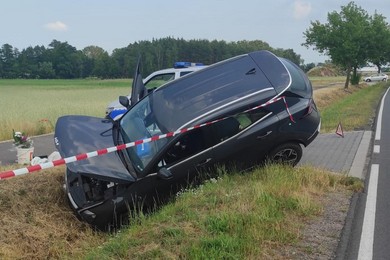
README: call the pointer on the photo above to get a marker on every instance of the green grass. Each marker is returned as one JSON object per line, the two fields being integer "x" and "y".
{"x": 33, "y": 106}
{"x": 238, "y": 216}
{"x": 355, "y": 111}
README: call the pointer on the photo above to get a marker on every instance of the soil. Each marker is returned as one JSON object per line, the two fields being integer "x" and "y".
{"x": 321, "y": 236}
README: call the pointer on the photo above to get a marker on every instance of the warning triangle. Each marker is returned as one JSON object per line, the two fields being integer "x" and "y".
{"x": 339, "y": 130}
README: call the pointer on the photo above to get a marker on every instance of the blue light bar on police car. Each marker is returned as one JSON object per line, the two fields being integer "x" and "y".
{"x": 186, "y": 64}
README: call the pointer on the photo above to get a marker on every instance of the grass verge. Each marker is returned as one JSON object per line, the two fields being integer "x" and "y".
{"x": 355, "y": 108}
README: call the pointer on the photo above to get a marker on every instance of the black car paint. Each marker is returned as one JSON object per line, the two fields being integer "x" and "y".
{"x": 102, "y": 188}
{"x": 92, "y": 134}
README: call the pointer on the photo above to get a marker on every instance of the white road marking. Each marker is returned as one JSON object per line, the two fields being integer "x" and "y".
{"x": 377, "y": 148}
{"x": 379, "y": 122}
{"x": 366, "y": 246}
{"x": 367, "y": 237}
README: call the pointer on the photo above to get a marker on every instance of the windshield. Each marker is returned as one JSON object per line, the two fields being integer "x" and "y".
{"x": 137, "y": 124}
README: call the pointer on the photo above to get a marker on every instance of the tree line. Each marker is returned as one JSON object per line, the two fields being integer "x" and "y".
{"x": 60, "y": 60}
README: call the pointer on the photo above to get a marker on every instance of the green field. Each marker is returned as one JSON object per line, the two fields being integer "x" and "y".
{"x": 33, "y": 106}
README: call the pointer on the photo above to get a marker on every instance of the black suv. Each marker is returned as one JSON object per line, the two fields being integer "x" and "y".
{"x": 239, "y": 111}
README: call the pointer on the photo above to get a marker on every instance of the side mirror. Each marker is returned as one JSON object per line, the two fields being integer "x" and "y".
{"x": 164, "y": 174}
{"x": 124, "y": 101}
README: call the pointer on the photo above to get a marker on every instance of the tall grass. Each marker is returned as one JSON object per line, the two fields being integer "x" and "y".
{"x": 33, "y": 106}
{"x": 354, "y": 108}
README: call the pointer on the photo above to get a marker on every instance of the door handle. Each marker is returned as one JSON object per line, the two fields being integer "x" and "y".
{"x": 204, "y": 162}
{"x": 263, "y": 136}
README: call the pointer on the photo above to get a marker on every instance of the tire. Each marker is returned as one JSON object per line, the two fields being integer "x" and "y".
{"x": 287, "y": 153}
{"x": 368, "y": 80}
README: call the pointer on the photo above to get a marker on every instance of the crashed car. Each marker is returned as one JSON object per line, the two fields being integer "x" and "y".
{"x": 242, "y": 111}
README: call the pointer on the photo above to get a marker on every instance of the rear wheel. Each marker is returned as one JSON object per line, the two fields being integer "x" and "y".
{"x": 288, "y": 153}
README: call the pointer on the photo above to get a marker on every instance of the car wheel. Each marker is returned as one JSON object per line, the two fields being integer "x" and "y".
{"x": 288, "y": 153}
{"x": 383, "y": 79}
{"x": 368, "y": 80}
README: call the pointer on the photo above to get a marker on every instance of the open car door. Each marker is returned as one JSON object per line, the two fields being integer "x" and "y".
{"x": 138, "y": 90}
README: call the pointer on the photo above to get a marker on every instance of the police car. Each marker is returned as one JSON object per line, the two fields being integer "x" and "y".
{"x": 158, "y": 78}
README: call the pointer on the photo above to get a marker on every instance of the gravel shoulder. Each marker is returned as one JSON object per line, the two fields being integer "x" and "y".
{"x": 321, "y": 236}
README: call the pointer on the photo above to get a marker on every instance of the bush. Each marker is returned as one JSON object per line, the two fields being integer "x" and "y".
{"x": 355, "y": 78}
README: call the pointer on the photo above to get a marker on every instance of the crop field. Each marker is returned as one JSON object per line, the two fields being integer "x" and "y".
{"x": 33, "y": 106}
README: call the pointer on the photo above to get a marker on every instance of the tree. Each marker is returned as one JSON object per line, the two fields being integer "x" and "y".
{"x": 45, "y": 70}
{"x": 379, "y": 36}
{"x": 66, "y": 60}
{"x": 307, "y": 67}
{"x": 343, "y": 38}
{"x": 96, "y": 62}
{"x": 8, "y": 63}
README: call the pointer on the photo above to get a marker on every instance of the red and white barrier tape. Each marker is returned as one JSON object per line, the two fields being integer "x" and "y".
{"x": 79, "y": 157}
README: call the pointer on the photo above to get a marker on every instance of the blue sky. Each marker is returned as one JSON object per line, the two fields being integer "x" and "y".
{"x": 116, "y": 23}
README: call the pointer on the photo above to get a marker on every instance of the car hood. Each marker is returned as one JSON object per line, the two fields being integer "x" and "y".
{"x": 82, "y": 134}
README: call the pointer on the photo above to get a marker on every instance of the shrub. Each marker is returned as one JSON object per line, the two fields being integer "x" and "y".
{"x": 355, "y": 78}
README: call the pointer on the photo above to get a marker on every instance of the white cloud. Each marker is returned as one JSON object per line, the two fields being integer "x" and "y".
{"x": 301, "y": 9}
{"x": 56, "y": 26}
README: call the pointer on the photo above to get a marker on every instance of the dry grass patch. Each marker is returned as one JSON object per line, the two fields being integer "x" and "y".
{"x": 36, "y": 220}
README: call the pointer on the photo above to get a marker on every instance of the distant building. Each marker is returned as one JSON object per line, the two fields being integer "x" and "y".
{"x": 368, "y": 69}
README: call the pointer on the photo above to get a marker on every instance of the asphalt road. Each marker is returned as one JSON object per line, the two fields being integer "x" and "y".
{"x": 43, "y": 146}
{"x": 371, "y": 226}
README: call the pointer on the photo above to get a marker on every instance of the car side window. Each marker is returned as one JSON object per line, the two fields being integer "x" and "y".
{"x": 188, "y": 145}
{"x": 248, "y": 118}
{"x": 182, "y": 73}
{"x": 232, "y": 125}
{"x": 159, "y": 80}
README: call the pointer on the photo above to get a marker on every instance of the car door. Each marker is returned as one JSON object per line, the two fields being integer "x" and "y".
{"x": 190, "y": 156}
{"x": 256, "y": 134}
{"x": 187, "y": 158}
{"x": 138, "y": 90}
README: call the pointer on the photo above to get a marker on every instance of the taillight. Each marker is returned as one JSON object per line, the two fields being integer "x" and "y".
{"x": 309, "y": 108}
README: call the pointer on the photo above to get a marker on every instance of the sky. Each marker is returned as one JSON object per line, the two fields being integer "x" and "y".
{"x": 117, "y": 23}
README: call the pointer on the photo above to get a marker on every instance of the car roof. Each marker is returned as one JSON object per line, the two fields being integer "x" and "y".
{"x": 258, "y": 74}
{"x": 173, "y": 70}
